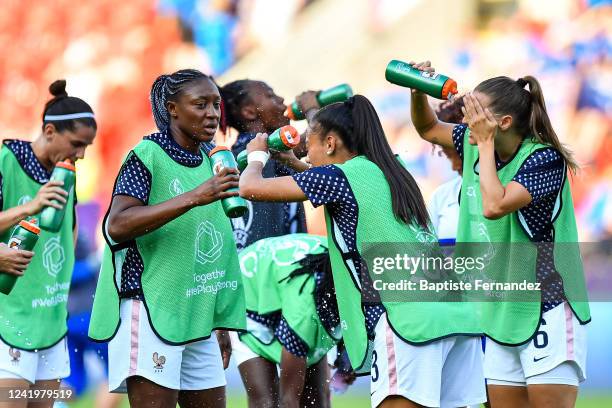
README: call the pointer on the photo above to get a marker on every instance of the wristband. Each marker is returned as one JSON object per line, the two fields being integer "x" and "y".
{"x": 258, "y": 155}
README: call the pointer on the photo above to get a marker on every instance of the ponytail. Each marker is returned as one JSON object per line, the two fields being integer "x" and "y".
{"x": 358, "y": 125}
{"x": 540, "y": 125}
{"x": 527, "y": 108}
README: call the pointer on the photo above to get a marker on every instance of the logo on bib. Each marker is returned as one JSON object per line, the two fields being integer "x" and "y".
{"x": 285, "y": 253}
{"x": 53, "y": 256}
{"x": 15, "y": 355}
{"x": 209, "y": 243}
{"x": 176, "y": 187}
{"x": 24, "y": 200}
{"x": 242, "y": 225}
{"x": 159, "y": 362}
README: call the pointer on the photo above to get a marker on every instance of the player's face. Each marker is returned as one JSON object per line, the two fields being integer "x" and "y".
{"x": 317, "y": 146}
{"x": 270, "y": 106}
{"x": 69, "y": 144}
{"x": 197, "y": 110}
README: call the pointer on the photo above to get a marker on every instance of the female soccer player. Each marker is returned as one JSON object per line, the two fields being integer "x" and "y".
{"x": 292, "y": 321}
{"x": 170, "y": 275}
{"x": 413, "y": 350}
{"x": 515, "y": 190}
{"x": 33, "y": 350}
{"x": 252, "y": 107}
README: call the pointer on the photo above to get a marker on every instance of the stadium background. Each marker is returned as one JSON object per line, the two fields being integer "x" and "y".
{"x": 110, "y": 51}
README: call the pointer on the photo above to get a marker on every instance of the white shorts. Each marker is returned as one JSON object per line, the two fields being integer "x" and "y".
{"x": 49, "y": 364}
{"x": 240, "y": 351}
{"x": 137, "y": 351}
{"x": 559, "y": 339}
{"x": 444, "y": 373}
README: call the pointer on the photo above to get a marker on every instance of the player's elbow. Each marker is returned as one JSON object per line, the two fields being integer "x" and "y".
{"x": 248, "y": 192}
{"x": 492, "y": 212}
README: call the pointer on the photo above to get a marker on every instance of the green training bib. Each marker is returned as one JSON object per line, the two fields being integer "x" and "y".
{"x": 266, "y": 268}
{"x": 515, "y": 322}
{"x": 191, "y": 282}
{"x": 33, "y": 316}
{"x": 416, "y": 322}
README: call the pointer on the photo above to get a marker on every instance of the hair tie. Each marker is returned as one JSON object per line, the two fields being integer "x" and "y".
{"x": 521, "y": 82}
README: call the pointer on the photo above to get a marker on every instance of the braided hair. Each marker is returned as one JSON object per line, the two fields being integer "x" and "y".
{"x": 62, "y": 104}
{"x": 168, "y": 88}
{"x": 235, "y": 95}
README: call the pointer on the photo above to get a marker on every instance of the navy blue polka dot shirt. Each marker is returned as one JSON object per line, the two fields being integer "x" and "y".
{"x": 134, "y": 180}
{"x": 542, "y": 174}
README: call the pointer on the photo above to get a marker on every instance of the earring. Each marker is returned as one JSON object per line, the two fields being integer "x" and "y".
{"x": 329, "y": 153}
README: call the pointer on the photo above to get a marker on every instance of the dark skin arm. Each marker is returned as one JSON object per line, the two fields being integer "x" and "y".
{"x": 130, "y": 218}
{"x": 292, "y": 378}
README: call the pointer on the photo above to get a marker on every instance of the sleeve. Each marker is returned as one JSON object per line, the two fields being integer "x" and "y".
{"x": 458, "y": 138}
{"x": 542, "y": 173}
{"x": 134, "y": 179}
{"x": 287, "y": 337}
{"x": 1, "y": 198}
{"x": 323, "y": 185}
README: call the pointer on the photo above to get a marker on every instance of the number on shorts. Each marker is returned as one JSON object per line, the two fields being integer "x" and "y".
{"x": 374, "y": 366}
{"x": 541, "y": 334}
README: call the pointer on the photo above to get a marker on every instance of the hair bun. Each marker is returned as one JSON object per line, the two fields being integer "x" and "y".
{"x": 58, "y": 88}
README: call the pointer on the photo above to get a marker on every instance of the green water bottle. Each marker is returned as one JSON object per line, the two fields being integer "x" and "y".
{"x": 51, "y": 218}
{"x": 24, "y": 237}
{"x": 437, "y": 85}
{"x": 282, "y": 139}
{"x": 221, "y": 157}
{"x": 338, "y": 93}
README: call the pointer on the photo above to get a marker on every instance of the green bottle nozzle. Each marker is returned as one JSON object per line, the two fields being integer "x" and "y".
{"x": 432, "y": 83}
{"x": 338, "y": 93}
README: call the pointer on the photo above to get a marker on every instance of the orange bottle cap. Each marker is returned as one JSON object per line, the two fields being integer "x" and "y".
{"x": 289, "y": 113}
{"x": 66, "y": 164}
{"x": 449, "y": 88}
{"x": 290, "y": 136}
{"x": 30, "y": 226}
{"x": 217, "y": 149}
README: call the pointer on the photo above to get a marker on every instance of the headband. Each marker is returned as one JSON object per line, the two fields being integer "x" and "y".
{"x": 69, "y": 116}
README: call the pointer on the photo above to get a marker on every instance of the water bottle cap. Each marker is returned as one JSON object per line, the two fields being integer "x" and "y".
{"x": 30, "y": 226}
{"x": 290, "y": 113}
{"x": 290, "y": 136}
{"x": 217, "y": 149}
{"x": 449, "y": 88}
{"x": 66, "y": 164}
